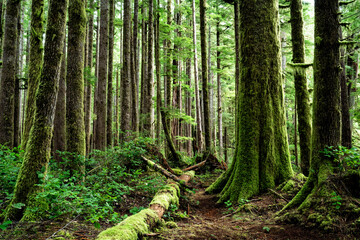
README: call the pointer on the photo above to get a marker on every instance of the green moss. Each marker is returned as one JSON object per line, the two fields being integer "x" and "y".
{"x": 178, "y": 171}
{"x": 171, "y": 224}
{"x": 288, "y": 186}
{"x": 132, "y": 228}
{"x": 166, "y": 196}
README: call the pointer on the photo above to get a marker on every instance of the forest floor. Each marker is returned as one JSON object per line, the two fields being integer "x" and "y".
{"x": 199, "y": 217}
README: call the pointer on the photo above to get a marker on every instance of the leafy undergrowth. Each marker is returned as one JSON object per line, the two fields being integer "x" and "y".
{"x": 117, "y": 184}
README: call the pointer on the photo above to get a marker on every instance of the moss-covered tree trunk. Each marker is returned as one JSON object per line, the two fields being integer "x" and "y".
{"x": 109, "y": 116}
{"x": 326, "y": 112}
{"x": 75, "y": 125}
{"x": 7, "y": 87}
{"x": 125, "y": 124}
{"x": 35, "y": 64}
{"x": 100, "y": 129}
{"x": 158, "y": 73}
{"x": 261, "y": 157}
{"x": 37, "y": 152}
{"x": 204, "y": 75}
{"x": 301, "y": 89}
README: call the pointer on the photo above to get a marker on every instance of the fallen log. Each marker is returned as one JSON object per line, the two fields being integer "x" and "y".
{"x": 198, "y": 165}
{"x": 140, "y": 224}
{"x": 163, "y": 171}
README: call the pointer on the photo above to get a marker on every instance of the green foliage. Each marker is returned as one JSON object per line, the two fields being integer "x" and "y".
{"x": 5, "y": 224}
{"x": 10, "y": 163}
{"x": 344, "y": 158}
{"x": 336, "y": 200}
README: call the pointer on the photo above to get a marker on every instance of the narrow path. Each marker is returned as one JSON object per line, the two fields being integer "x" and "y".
{"x": 206, "y": 221}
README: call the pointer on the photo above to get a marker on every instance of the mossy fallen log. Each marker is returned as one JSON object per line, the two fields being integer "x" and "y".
{"x": 139, "y": 224}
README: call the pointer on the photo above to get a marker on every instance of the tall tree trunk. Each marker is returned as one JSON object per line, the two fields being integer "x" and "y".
{"x": 37, "y": 152}
{"x": 117, "y": 112}
{"x": 87, "y": 81}
{"x": 237, "y": 63}
{"x": 8, "y": 72}
{"x": 100, "y": 130}
{"x": 301, "y": 89}
{"x": 158, "y": 72}
{"x": 147, "y": 105}
{"x": 211, "y": 93}
{"x": 326, "y": 115}
{"x": 346, "y": 137}
{"x": 219, "y": 104}
{"x": 262, "y": 157}
{"x": 1, "y": 24}
{"x": 126, "y": 80}
{"x": 59, "y": 138}
{"x": 75, "y": 125}
{"x": 18, "y": 70}
{"x": 176, "y": 97}
{"x": 204, "y": 75}
{"x": 35, "y": 63}
{"x": 134, "y": 72}
{"x": 199, "y": 132}
{"x": 144, "y": 66}
{"x": 109, "y": 120}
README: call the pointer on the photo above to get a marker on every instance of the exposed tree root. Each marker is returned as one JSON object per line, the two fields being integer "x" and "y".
{"x": 140, "y": 224}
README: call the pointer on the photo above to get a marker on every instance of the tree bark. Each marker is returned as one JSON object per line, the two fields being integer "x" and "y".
{"x": 8, "y": 72}
{"x": 101, "y": 113}
{"x": 134, "y": 72}
{"x": 37, "y": 152}
{"x": 199, "y": 132}
{"x": 125, "y": 124}
{"x": 158, "y": 73}
{"x": 204, "y": 75}
{"x": 109, "y": 107}
{"x": 75, "y": 125}
{"x": 301, "y": 89}
{"x": 35, "y": 63}
{"x": 237, "y": 63}
{"x": 88, "y": 82}
{"x": 218, "y": 66}
{"x": 262, "y": 157}
{"x": 59, "y": 138}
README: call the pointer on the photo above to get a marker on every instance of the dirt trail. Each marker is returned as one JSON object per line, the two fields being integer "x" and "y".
{"x": 206, "y": 221}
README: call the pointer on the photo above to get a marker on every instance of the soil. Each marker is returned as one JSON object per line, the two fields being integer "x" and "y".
{"x": 199, "y": 217}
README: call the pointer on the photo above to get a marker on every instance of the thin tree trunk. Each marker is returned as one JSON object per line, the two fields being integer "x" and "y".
{"x": 88, "y": 83}
{"x": 199, "y": 133}
{"x": 218, "y": 66}
{"x": 134, "y": 72}
{"x": 35, "y": 63}
{"x": 126, "y": 80}
{"x": 188, "y": 102}
{"x": 301, "y": 90}
{"x": 147, "y": 116}
{"x": 117, "y": 113}
{"x": 59, "y": 138}
{"x": 109, "y": 120}
{"x": 204, "y": 73}
{"x": 237, "y": 62}
{"x": 158, "y": 79}
{"x": 101, "y": 113}
{"x": 296, "y": 135}
{"x": 8, "y": 72}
